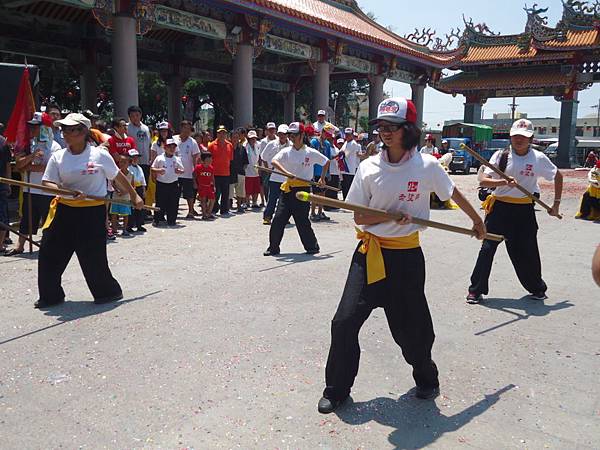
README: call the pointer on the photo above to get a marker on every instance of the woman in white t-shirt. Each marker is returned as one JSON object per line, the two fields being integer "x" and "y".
{"x": 510, "y": 213}
{"x": 77, "y": 225}
{"x": 388, "y": 267}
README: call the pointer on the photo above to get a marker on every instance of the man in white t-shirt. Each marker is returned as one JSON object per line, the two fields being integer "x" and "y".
{"x": 262, "y": 144}
{"x": 275, "y": 180}
{"x": 322, "y": 123}
{"x": 141, "y": 133}
{"x": 35, "y": 202}
{"x": 189, "y": 153}
{"x": 298, "y": 160}
{"x": 510, "y": 213}
{"x": 352, "y": 151}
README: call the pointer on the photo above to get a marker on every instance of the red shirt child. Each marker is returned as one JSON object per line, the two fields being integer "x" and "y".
{"x": 120, "y": 146}
{"x": 205, "y": 179}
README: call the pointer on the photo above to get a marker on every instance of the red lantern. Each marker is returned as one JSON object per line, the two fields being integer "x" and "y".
{"x": 184, "y": 99}
{"x": 70, "y": 94}
{"x": 102, "y": 96}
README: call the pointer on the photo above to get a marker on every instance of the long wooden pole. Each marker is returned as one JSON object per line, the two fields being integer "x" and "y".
{"x": 60, "y": 191}
{"x": 487, "y": 164}
{"x": 326, "y": 201}
{"x": 24, "y": 236}
{"x": 312, "y": 183}
{"x": 29, "y": 216}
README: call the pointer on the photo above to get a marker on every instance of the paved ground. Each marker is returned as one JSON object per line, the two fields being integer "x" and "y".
{"x": 217, "y": 346}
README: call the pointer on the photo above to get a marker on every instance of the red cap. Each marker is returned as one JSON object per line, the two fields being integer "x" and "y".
{"x": 598, "y": 164}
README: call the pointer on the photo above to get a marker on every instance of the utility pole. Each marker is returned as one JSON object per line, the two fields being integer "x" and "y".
{"x": 598, "y": 120}
{"x": 513, "y": 108}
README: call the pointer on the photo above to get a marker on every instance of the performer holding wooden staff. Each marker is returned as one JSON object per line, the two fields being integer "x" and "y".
{"x": 78, "y": 225}
{"x": 297, "y": 160}
{"x": 510, "y": 212}
{"x": 388, "y": 266}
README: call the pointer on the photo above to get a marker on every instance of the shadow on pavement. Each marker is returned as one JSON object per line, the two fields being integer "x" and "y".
{"x": 73, "y": 310}
{"x": 530, "y": 308}
{"x": 296, "y": 258}
{"x": 417, "y": 423}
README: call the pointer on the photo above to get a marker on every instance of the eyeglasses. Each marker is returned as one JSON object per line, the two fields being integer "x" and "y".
{"x": 71, "y": 129}
{"x": 388, "y": 128}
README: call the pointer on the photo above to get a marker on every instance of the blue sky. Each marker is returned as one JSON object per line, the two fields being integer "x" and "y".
{"x": 505, "y": 16}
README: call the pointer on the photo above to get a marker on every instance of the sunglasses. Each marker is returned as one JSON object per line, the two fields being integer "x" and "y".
{"x": 71, "y": 129}
{"x": 388, "y": 128}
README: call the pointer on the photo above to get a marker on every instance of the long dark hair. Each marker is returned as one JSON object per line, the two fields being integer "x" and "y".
{"x": 160, "y": 141}
{"x": 410, "y": 137}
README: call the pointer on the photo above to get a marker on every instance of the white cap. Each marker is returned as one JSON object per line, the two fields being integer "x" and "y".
{"x": 444, "y": 141}
{"x": 252, "y": 134}
{"x": 522, "y": 127}
{"x": 283, "y": 128}
{"x": 349, "y": 130}
{"x": 321, "y": 112}
{"x": 133, "y": 152}
{"x": 171, "y": 141}
{"x": 396, "y": 110}
{"x": 271, "y": 125}
{"x": 74, "y": 119}
{"x": 375, "y": 132}
{"x": 295, "y": 128}
{"x": 340, "y": 141}
{"x": 163, "y": 126}
{"x": 36, "y": 119}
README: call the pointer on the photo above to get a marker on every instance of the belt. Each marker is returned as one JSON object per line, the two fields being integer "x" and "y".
{"x": 293, "y": 183}
{"x": 488, "y": 204}
{"x": 372, "y": 245}
{"x": 67, "y": 202}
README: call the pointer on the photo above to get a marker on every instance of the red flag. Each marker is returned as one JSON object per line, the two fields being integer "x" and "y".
{"x": 16, "y": 129}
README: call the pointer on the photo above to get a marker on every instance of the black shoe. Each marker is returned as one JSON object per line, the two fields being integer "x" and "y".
{"x": 427, "y": 393}
{"x": 324, "y": 217}
{"x": 141, "y": 229}
{"x": 270, "y": 252}
{"x": 328, "y": 405}
{"x": 130, "y": 230}
{"x": 474, "y": 298}
{"x": 538, "y": 296}
{"x": 41, "y": 305}
{"x": 313, "y": 251}
{"x": 113, "y": 298}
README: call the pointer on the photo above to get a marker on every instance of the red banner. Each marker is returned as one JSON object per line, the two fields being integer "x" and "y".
{"x": 16, "y": 129}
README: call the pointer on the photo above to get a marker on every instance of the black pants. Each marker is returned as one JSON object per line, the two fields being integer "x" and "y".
{"x": 346, "y": 183}
{"x": 402, "y": 296}
{"x": 587, "y": 203}
{"x": 167, "y": 199}
{"x": 82, "y": 231}
{"x": 274, "y": 194}
{"x": 40, "y": 204}
{"x": 287, "y": 207}
{"x": 221, "y": 194}
{"x": 518, "y": 224}
{"x": 333, "y": 181}
{"x": 137, "y": 215}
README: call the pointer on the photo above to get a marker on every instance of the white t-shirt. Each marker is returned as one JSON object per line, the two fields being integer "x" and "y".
{"x": 318, "y": 126}
{"x": 36, "y": 177}
{"x": 334, "y": 169}
{"x": 429, "y": 150}
{"x": 399, "y": 188}
{"x": 253, "y": 154}
{"x": 264, "y": 142}
{"x": 138, "y": 175}
{"x": 352, "y": 149}
{"x": 169, "y": 164}
{"x": 157, "y": 148}
{"x": 524, "y": 169}
{"x": 187, "y": 151}
{"x": 300, "y": 162}
{"x": 86, "y": 172}
{"x": 142, "y": 138}
{"x": 267, "y": 155}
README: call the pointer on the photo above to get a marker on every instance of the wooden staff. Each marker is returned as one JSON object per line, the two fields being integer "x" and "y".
{"x": 60, "y": 191}
{"x": 326, "y": 201}
{"x": 29, "y": 217}
{"x": 312, "y": 183}
{"x": 486, "y": 163}
{"x": 24, "y": 236}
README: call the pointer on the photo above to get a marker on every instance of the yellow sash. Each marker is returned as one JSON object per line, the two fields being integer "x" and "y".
{"x": 594, "y": 191}
{"x": 293, "y": 183}
{"x": 488, "y": 204}
{"x": 372, "y": 245}
{"x": 68, "y": 202}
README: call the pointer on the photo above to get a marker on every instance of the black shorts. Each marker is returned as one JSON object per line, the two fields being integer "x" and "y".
{"x": 317, "y": 190}
{"x": 186, "y": 187}
{"x": 40, "y": 204}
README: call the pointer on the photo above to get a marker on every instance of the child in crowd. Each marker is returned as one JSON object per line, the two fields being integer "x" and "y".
{"x": 590, "y": 202}
{"x": 166, "y": 168}
{"x": 205, "y": 180}
{"x": 123, "y": 211}
{"x": 139, "y": 182}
